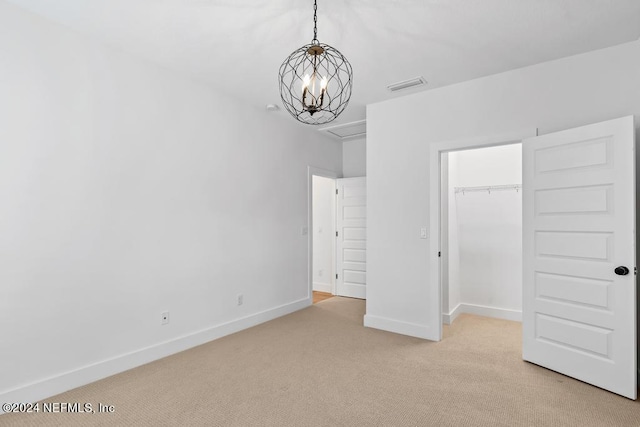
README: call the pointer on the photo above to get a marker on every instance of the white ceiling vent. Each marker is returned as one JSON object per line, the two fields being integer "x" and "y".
{"x": 347, "y": 131}
{"x": 406, "y": 84}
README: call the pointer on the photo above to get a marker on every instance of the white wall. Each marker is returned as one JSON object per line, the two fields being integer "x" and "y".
{"x": 324, "y": 239}
{"x": 556, "y": 95}
{"x": 485, "y": 251}
{"x": 488, "y": 166}
{"x": 127, "y": 191}
{"x": 354, "y": 158}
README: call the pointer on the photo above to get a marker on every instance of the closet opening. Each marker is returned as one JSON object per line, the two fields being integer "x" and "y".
{"x": 481, "y": 232}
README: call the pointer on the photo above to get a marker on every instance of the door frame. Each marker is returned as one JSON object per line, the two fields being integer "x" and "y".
{"x": 325, "y": 173}
{"x": 435, "y": 200}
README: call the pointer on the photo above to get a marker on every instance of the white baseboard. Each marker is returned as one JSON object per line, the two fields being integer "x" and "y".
{"x": 323, "y": 287}
{"x": 399, "y": 327}
{"x": 448, "y": 319}
{"x": 87, "y": 374}
{"x": 482, "y": 310}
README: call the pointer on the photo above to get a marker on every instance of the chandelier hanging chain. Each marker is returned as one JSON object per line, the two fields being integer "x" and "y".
{"x": 315, "y": 22}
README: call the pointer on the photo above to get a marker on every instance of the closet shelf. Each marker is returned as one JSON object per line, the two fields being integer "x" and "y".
{"x": 489, "y": 189}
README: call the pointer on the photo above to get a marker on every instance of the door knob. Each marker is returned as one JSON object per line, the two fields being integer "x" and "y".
{"x": 621, "y": 271}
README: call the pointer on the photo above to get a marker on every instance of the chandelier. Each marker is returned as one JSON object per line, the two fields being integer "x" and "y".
{"x": 315, "y": 81}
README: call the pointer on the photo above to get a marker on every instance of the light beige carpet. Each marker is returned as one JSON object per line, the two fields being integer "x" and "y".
{"x": 321, "y": 367}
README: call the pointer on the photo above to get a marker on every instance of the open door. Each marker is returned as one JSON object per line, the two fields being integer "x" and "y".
{"x": 351, "y": 237}
{"x": 579, "y": 295}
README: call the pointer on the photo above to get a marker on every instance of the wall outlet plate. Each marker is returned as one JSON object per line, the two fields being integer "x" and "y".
{"x": 165, "y": 318}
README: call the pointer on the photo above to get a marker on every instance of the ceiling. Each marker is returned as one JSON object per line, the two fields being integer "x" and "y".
{"x": 238, "y": 45}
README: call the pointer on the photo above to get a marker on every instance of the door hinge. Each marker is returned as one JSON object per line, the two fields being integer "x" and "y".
{"x": 635, "y": 270}
{"x": 336, "y": 234}
{"x": 336, "y": 191}
{"x": 439, "y": 254}
{"x": 336, "y": 275}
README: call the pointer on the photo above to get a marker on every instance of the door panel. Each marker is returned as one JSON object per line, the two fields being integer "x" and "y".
{"x": 579, "y": 317}
{"x": 351, "y": 241}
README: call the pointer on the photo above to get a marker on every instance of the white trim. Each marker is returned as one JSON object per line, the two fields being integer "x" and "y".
{"x": 482, "y": 310}
{"x": 507, "y": 138}
{"x": 323, "y": 287}
{"x": 450, "y": 317}
{"x": 311, "y": 171}
{"x": 398, "y": 327}
{"x": 495, "y": 312}
{"x": 435, "y": 149}
{"x": 87, "y": 374}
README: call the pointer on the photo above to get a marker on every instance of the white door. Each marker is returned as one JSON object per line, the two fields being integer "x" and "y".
{"x": 351, "y": 237}
{"x": 579, "y": 308}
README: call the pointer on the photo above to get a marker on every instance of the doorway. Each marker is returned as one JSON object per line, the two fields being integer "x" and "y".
{"x": 441, "y": 302}
{"x": 322, "y": 230}
{"x": 481, "y": 223}
{"x": 336, "y": 233}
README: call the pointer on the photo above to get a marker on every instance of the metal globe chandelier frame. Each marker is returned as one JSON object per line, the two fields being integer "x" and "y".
{"x": 315, "y": 81}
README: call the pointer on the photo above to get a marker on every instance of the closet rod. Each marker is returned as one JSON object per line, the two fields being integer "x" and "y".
{"x": 489, "y": 188}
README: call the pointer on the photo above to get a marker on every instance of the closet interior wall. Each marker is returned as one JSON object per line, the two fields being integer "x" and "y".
{"x": 482, "y": 232}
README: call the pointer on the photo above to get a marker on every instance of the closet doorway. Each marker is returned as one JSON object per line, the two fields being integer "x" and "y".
{"x": 578, "y": 250}
{"x": 481, "y": 232}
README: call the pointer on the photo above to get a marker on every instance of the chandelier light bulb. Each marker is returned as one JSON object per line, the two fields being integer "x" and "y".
{"x": 305, "y": 81}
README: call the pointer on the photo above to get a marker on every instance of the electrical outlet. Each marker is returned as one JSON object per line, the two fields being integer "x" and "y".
{"x": 165, "y": 318}
{"x": 240, "y": 299}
